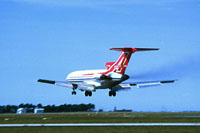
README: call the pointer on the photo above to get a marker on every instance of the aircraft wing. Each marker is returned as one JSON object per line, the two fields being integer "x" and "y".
{"x": 58, "y": 83}
{"x": 82, "y": 85}
{"x": 123, "y": 86}
{"x": 149, "y": 83}
{"x": 127, "y": 86}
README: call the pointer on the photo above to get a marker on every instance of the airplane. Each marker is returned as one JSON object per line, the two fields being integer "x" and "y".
{"x": 111, "y": 78}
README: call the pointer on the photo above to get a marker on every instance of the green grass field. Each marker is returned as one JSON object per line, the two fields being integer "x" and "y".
{"x": 103, "y": 117}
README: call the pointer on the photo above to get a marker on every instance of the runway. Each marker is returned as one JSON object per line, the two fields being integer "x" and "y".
{"x": 98, "y": 124}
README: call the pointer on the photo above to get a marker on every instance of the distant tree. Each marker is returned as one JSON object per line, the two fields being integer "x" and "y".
{"x": 48, "y": 108}
{"x": 39, "y": 105}
{"x": 21, "y": 105}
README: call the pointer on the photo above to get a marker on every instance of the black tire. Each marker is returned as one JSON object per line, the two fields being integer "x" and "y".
{"x": 114, "y": 93}
{"x": 86, "y": 93}
{"x": 90, "y": 93}
{"x": 73, "y": 93}
{"x": 110, "y": 93}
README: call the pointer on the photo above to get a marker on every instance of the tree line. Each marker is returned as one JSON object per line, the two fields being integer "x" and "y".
{"x": 48, "y": 108}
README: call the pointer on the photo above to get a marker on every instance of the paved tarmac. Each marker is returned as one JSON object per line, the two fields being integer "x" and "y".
{"x": 98, "y": 124}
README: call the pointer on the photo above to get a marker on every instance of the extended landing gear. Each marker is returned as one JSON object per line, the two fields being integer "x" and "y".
{"x": 88, "y": 93}
{"x": 112, "y": 93}
{"x": 73, "y": 92}
{"x": 74, "y": 88}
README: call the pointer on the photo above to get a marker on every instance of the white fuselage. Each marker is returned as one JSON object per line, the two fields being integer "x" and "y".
{"x": 90, "y": 79}
{"x": 84, "y": 75}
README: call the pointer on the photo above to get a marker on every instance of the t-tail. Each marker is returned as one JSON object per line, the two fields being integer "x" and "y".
{"x": 122, "y": 62}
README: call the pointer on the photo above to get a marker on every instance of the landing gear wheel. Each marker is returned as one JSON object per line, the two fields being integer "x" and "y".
{"x": 88, "y": 93}
{"x": 73, "y": 92}
{"x": 112, "y": 93}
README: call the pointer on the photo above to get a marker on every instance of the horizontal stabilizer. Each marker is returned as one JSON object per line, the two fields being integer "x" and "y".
{"x": 129, "y": 49}
{"x": 146, "y": 49}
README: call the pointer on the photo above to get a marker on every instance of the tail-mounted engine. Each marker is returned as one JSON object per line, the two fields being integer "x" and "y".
{"x": 104, "y": 77}
{"x": 124, "y": 77}
{"x": 112, "y": 76}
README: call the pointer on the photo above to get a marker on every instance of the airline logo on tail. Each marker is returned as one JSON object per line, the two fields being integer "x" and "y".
{"x": 122, "y": 62}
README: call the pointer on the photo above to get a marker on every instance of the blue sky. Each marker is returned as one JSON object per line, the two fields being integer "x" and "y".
{"x": 49, "y": 39}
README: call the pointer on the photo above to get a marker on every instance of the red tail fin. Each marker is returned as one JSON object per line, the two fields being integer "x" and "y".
{"x": 122, "y": 62}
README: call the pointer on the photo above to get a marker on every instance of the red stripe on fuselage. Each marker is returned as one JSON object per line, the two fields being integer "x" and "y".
{"x": 89, "y": 74}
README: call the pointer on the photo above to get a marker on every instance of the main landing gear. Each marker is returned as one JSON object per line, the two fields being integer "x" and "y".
{"x": 73, "y": 92}
{"x": 75, "y": 86}
{"x": 112, "y": 93}
{"x": 88, "y": 93}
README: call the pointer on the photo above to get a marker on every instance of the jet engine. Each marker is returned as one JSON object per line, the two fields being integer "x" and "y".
{"x": 102, "y": 77}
